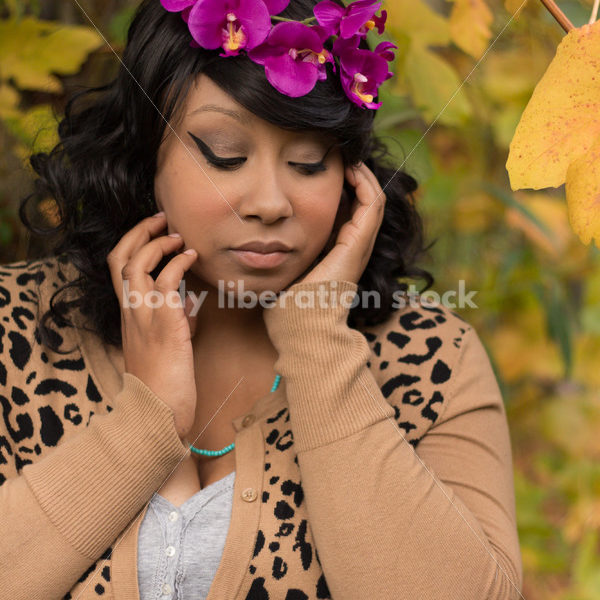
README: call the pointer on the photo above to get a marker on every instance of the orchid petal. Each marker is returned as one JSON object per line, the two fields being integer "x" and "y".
{"x": 208, "y": 19}
{"x": 321, "y": 31}
{"x": 185, "y": 14}
{"x": 384, "y": 49}
{"x": 276, "y": 6}
{"x": 255, "y": 17}
{"x": 357, "y": 17}
{"x": 343, "y": 45}
{"x": 380, "y": 22}
{"x": 260, "y": 53}
{"x": 329, "y": 15}
{"x": 291, "y": 77}
{"x": 176, "y": 5}
{"x": 293, "y": 34}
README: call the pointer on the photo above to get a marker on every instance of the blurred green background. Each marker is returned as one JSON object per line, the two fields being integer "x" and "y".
{"x": 464, "y": 72}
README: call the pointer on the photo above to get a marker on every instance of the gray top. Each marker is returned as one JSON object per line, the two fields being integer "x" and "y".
{"x": 180, "y": 548}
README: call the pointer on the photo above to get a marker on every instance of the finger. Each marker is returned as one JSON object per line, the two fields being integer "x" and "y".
{"x": 134, "y": 239}
{"x": 377, "y": 189}
{"x": 363, "y": 190}
{"x": 169, "y": 280}
{"x": 171, "y": 275}
{"x": 367, "y": 216}
{"x": 146, "y": 259}
{"x": 351, "y": 175}
{"x": 192, "y": 320}
{"x": 380, "y": 200}
{"x": 378, "y": 197}
{"x": 363, "y": 185}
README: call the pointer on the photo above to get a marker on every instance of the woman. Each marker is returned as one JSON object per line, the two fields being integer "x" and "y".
{"x": 142, "y": 454}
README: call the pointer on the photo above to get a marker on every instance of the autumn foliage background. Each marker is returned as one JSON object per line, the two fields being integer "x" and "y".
{"x": 538, "y": 285}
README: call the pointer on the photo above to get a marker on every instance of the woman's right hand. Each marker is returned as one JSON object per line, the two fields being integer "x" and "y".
{"x": 157, "y": 346}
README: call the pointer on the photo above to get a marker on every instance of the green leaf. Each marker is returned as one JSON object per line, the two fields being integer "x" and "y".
{"x": 542, "y": 545}
{"x": 119, "y": 24}
{"x": 5, "y": 233}
{"x": 557, "y": 321}
{"x": 395, "y": 110}
{"x": 510, "y": 201}
{"x": 590, "y": 319}
{"x": 586, "y": 571}
{"x": 434, "y": 86}
{"x": 32, "y": 50}
{"x": 35, "y": 128}
{"x": 418, "y": 21}
{"x": 414, "y": 157}
{"x": 9, "y": 101}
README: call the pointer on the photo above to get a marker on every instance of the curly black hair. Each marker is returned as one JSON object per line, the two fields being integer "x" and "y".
{"x": 102, "y": 193}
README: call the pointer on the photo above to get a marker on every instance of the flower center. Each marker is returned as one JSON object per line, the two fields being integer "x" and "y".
{"x": 357, "y": 87}
{"x": 308, "y": 55}
{"x": 367, "y": 26}
{"x": 234, "y": 36}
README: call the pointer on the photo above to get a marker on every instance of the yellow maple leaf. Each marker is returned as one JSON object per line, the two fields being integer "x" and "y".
{"x": 432, "y": 82}
{"x": 557, "y": 139}
{"x": 33, "y": 51}
{"x": 583, "y": 194}
{"x": 514, "y": 7}
{"x": 470, "y": 22}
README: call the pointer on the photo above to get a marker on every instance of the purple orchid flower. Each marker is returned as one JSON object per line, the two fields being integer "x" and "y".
{"x": 362, "y": 71}
{"x": 294, "y": 57}
{"x": 384, "y": 49}
{"x": 176, "y": 5}
{"x": 356, "y": 19}
{"x": 185, "y": 6}
{"x": 233, "y": 25}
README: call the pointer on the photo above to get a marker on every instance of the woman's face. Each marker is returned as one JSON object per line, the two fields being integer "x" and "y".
{"x": 274, "y": 196}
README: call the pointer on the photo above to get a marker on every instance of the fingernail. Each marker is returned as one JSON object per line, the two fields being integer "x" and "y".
{"x": 189, "y": 251}
{"x": 159, "y": 214}
{"x": 174, "y": 235}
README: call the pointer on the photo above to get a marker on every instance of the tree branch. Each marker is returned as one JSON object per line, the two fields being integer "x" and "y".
{"x": 594, "y": 12}
{"x": 558, "y": 14}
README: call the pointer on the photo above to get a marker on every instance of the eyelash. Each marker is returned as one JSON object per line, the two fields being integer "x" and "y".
{"x": 231, "y": 164}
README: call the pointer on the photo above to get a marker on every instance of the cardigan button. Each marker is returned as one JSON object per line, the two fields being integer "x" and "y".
{"x": 249, "y": 494}
{"x": 248, "y": 420}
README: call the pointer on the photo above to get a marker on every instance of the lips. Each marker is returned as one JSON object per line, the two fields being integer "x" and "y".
{"x": 260, "y": 260}
{"x": 264, "y": 247}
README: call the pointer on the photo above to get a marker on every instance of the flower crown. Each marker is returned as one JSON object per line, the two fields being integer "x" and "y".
{"x": 293, "y": 52}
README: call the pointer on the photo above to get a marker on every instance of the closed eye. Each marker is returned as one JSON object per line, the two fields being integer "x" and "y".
{"x": 234, "y": 162}
{"x": 310, "y": 168}
{"x": 211, "y": 157}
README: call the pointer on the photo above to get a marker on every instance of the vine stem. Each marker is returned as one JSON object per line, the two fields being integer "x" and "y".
{"x": 305, "y": 21}
{"x": 559, "y": 15}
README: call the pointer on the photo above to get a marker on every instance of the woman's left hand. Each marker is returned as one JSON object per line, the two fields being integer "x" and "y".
{"x": 351, "y": 252}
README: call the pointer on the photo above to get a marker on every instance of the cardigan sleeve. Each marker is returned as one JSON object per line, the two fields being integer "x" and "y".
{"x": 61, "y": 513}
{"x": 390, "y": 521}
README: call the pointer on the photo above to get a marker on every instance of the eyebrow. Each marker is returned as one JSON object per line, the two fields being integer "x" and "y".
{"x": 215, "y": 108}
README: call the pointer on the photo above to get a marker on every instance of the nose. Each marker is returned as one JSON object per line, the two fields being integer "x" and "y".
{"x": 265, "y": 198}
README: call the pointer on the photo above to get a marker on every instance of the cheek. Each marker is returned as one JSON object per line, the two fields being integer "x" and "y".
{"x": 320, "y": 214}
{"x": 331, "y": 196}
{"x": 191, "y": 202}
